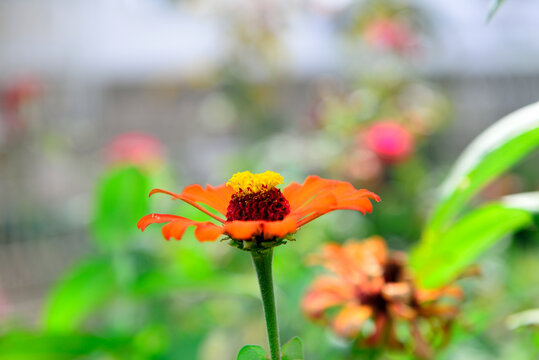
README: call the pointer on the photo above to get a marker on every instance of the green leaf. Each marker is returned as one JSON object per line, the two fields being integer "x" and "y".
{"x": 490, "y": 154}
{"x": 526, "y": 201}
{"x": 121, "y": 199}
{"x": 252, "y": 352}
{"x": 523, "y": 318}
{"x": 293, "y": 350}
{"x": 29, "y": 346}
{"x": 435, "y": 264}
{"x": 78, "y": 294}
{"x": 494, "y": 8}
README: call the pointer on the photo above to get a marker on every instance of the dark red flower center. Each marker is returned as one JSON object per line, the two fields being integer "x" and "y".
{"x": 269, "y": 205}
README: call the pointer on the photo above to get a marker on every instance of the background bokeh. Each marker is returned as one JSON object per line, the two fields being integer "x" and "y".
{"x": 102, "y": 100}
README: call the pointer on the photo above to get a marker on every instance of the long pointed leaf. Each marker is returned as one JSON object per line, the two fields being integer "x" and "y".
{"x": 435, "y": 264}
{"x": 493, "y": 152}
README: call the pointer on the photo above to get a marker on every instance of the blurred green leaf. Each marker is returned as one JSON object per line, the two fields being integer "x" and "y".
{"x": 494, "y": 8}
{"x": 28, "y": 346}
{"x": 526, "y": 201}
{"x": 490, "y": 154}
{"x": 163, "y": 281}
{"x": 436, "y": 263}
{"x": 78, "y": 294}
{"x": 293, "y": 350}
{"x": 121, "y": 199}
{"x": 252, "y": 352}
{"x": 523, "y": 318}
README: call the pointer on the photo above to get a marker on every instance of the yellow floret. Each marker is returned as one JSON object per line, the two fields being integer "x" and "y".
{"x": 252, "y": 183}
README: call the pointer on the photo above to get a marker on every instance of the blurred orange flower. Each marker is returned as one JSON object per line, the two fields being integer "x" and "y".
{"x": 371, "y": 285}
{"x": 255, "y": 209}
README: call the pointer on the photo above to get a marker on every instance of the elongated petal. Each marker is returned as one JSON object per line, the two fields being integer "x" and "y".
{"x": 243, "y": 230}
{"x": 335, "y": 259}
{"x": 324, "y": 293}
{"x": 208, "y": 232}
{"x": 215, "y": 197}
{"x": 205, "y": 231}
{"x": 176, "y": 228}
{"x": 297, "y": 195}
{"x": 280, "y": 228}
{"x": 192, "y": 200}
{"x": 317, "y": 196}
{"x": 349, "y": 321}
{"x": 155, "y": 218}
{"x": 354, "y": 261}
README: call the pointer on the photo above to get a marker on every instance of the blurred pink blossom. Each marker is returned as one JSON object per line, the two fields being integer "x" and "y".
{"x": 391, "y": 141}
{"x": 389, "y": 34}
{"x": 135, "y": 148}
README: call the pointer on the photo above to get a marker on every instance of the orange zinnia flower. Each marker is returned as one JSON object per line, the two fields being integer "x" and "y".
{"x": 370, "y": 285}
{"x": 251, "y": 207}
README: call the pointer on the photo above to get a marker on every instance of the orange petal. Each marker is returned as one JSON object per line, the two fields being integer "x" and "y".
{"x": 354, "y": 261}
{"x": 319, "y": 196}
{"x": 215, "y": 197}
{"x": 349, "y": 321}
{"x": 320, "y": 204}
{"x": 208, "y": 232}
{"x": 315, "y": 303}
{"x": 155, "y": 218}
{"x": 243, "y": 230}
{"x": 325, "y": 292}
{"x": 367, "y": 256}
{"x": 335, "y": 259}
{"x": 297, "y": 195}
{"x": 280, "y": 228}
{"x": 205, "y": 231}
{"x": 176, "y": 228}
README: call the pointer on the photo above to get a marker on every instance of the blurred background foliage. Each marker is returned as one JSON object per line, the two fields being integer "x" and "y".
{"x": 384, "y": 94}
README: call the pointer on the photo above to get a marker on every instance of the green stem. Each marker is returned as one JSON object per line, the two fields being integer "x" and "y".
{"x": 262, "y": 261}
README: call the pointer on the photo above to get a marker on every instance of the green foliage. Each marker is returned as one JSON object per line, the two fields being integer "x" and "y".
{"x": 78, "y": 294}
{"x": 448, "y": 246}
{"x": 252, "y": 352}
{"x": 121, "y": 199}
{"x": 29, "y": 346}
{"x": 478, "y": 175}
{"x": 436, "y": 264}
{"x": 293, "y": 350}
